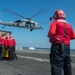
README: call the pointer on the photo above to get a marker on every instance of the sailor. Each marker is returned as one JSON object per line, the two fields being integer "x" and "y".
{"x": 2, "y": 45}
{"x": 60, "y": 34}
{"x": 11, "y": 43}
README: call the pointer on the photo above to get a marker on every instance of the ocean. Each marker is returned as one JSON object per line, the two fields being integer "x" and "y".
{"x": 45, "y": 49}
{"x": 37, "y": 48}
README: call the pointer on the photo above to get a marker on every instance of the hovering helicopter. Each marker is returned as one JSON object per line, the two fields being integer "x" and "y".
{"x": 28, "y": 23}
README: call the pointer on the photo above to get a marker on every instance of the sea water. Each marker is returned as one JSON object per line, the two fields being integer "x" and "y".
{"x": 45, "y": 49}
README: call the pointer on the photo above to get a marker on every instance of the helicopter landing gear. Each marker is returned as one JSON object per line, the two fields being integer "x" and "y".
{"x": 31, "y": 29}
{"x": 3, "y": 27}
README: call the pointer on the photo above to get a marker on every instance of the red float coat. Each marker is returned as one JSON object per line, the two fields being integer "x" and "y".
{"x": 60, "y": 30}
{"x": 2, "y": 40}
{"x": 10, "y": 42}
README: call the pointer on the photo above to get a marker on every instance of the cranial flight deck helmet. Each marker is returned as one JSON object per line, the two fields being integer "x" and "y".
{"x": 10, "y": 36}
{"x": 59, "y": 14}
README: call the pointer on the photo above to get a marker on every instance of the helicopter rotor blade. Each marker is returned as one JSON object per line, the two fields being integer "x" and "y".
{"x": 39, "y": 13}
{"x": 14, "y": 13}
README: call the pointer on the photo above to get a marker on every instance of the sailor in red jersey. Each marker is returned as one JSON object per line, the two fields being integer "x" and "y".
{"x": 60, "y": 34}
{"x": 11, "y": 43}
{"x": 2, "y": 45}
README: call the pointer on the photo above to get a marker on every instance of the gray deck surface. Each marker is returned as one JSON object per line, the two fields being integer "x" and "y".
{"x": 30, "y": 63}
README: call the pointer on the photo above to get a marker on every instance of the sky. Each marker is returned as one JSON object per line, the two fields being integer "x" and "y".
{"x": 27, "y": 8}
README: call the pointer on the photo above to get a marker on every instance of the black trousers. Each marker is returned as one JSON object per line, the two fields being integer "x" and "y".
{"x": 60, "y": 60}
{"x": 2, "y": 48}
{"x": 12, "y": 54}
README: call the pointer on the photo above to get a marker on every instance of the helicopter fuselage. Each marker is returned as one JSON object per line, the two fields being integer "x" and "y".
{"x": 23, "y": 24}
{"x": 28, "y": 23}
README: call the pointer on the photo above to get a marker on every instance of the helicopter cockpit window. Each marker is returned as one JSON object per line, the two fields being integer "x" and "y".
{"x": 33, "y": 24}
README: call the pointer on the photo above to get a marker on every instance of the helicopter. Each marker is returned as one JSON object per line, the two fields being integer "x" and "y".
{"x": 27, "y": 23}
